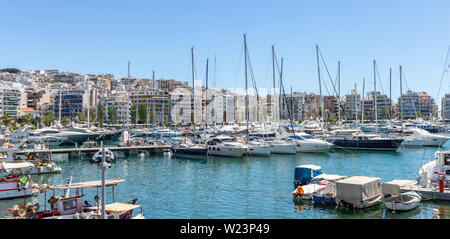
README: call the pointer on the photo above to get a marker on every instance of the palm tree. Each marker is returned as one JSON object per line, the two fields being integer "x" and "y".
{"x": 7, "y": 120}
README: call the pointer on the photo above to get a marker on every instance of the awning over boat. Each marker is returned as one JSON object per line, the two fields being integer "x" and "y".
{"x": 110, "y": 182}
{"x": 329, "y": 177}
{"x": 393, "y": 187}
{"x": 118, "y": 207}
{"x": 16, "y": 165}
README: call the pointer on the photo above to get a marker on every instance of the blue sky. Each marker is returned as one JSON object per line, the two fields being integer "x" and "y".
{"x": 101, "y": 36}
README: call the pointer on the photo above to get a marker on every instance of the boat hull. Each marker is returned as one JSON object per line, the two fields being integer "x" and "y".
{"x": 283, "y": 149}
{"x": 226, "y": 151}
{"x": 11, "y": 190}
{"x": 255, "y": 150}
{"x": 375, "y": 145}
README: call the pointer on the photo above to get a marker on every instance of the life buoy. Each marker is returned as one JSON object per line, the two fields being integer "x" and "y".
{"x": 128, "y": 143}
{"x": 300, "y": 190}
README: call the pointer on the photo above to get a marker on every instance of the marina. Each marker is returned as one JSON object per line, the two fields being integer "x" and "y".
{"x": 244, "y": 187}
{"x": 234, "y": 111}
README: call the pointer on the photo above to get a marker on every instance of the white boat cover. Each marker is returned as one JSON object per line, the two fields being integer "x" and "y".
{"x": 393, "y": 187}
{"x": 358, "y": 190}
{"x": 329, "y": 177}
{"x": 16, "y": 165}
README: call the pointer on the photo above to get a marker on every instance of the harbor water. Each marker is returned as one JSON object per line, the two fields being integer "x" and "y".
{"x": 248, "y": 187}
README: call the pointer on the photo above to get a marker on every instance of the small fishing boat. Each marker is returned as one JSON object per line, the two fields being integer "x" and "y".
{"x": 75, "y": 206}
{"x": 396, "y": 200}
{"x": 304, "y": 184}
{"x": 327, "y": 196}
{"x": 13, "y": 183}
{"x": 403, "y": 202}
{"x": 98, "y": 157}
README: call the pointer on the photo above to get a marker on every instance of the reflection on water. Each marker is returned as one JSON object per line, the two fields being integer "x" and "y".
{"x": 248, "y": 187}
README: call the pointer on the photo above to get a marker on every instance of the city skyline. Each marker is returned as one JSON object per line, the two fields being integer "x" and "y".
{"x": 101, "y": 38}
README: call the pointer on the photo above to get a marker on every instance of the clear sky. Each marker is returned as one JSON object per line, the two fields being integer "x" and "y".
{"x": 101, "y": 36}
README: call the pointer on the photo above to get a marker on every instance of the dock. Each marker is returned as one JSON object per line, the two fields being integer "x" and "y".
{"x": 428, "y": 193}
{"x": 128, "y": 150}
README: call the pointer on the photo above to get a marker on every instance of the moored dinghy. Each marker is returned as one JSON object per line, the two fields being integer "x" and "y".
{"x": 403, "y": 202}
{"x": 396, "y": 200}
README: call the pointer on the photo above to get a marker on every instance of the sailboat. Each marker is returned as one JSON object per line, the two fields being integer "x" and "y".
{"x": 253, "y": 148}
{"x": 191, "y": 149}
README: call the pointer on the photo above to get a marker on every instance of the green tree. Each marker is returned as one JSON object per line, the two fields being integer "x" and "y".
{"x": 65, "y": 120}
{"x": 112, "y": 115}
{"x": 332, "y": 118}
{"x": 133, "y": 113}
{"x": 48, "y": 117}
{"x": 81, "y": 117}
{"x": 166, "y": 120}
{"x": 100, "y": 115}
{"x": 152, "y": 116}
{"x": 7, "y": 120}
{"x": 142, "y": 111}
{"x": 384, "y": 113}
{"x": 92, "y": 115}
{"x": 419, "y": 114}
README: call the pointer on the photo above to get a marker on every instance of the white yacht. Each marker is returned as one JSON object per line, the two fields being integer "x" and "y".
{"x": 257, "y": 148}
{"x": 282, "y": 147}
{"x": 224, "y": 145}
{"x": 308, "y": 144}
{"x": 428, "y": 138}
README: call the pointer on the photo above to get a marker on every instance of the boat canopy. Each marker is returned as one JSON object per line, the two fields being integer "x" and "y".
{"x": 16, "y": 165}
{"x": 305, "y": 173}
{"x": 110, "y": 182}
{"x": 118, "y": 207}
{"x": 393, "y": 187}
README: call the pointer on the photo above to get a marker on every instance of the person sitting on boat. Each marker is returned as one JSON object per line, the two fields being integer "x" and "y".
{"x": 87, "y": 206}
{"x": 24, "y": 181}
{"x": 96, "y": 201}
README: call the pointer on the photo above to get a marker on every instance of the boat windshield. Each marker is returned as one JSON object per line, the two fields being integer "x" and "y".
{"x": 308, "y": 136}
{"x": 227, "y": 140}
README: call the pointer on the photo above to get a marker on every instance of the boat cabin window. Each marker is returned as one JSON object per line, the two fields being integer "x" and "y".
{"x": 211, "y": 142}
{"x": 308, "y": 136}
{"x": 447, "y": 160}
{"x": 227, "y": 140}
{"x": 70, "y": 204}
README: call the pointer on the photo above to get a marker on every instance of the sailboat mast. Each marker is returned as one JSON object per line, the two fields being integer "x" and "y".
{"x": 320, "y": 84}
{"x": 339, "y": 92}
{"x": 153, "y": 114}
{"x": 356, "y": 107}
{"x": 60, "y": 103}
{"x": 273, "y": 78}
{"x": 246, "y": 85}
{"x": 400, "y": 103}
{"x": 362, "y": 102}
{"x": 193, "y": 100}
{"x": 390, "y": 95}
{"x": 89, "y": 101}
{"x": 206, "y": 101}
{"x": 375, "y": 96}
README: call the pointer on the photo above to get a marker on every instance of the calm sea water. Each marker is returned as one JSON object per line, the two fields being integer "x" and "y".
{"x": 250, "y": 187}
